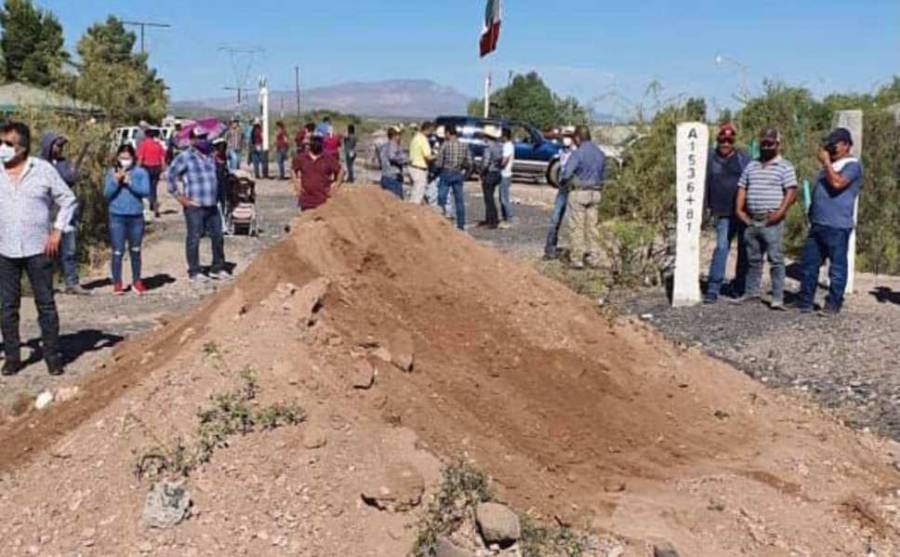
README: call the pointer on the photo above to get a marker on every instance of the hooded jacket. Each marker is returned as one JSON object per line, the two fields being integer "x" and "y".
{"x": 63, "y": 166}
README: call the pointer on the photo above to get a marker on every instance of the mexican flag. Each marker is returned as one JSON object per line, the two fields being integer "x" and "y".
{"x": 490, "y": 33}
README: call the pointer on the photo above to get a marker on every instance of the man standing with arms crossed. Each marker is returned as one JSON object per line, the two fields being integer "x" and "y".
{"x": 724, "y": 169}
{"x": 420, "y": 157}
{"x": 454, "y": 160}
{"x": 766, "y": 190}
{"x": 831, "y": 222}
{"x": 29, "y": 187}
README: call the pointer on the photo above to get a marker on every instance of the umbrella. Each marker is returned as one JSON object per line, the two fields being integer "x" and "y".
{"x": 212, "y": 127}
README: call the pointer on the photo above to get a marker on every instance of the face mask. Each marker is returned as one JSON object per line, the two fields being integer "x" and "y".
{"x": 7, "y": 153}
{"x": 203, "y": 146}
{"x": 567, "y": 141}
{"x": 768, "y": 153}
{"x": 316, "y": 147}
{"x": 125, "y": 163}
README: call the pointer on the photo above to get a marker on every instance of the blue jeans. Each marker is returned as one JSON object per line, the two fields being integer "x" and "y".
{"x": 126, "y": 229}
{"x": 556, "y": 218}
{"x": 825, "y": 242}
{"x": 69, "y": 257}
{"x": 200, "y": 220}
{"x": 727, "y": 228}
{"x": 349, "y": 159}
{"x": 393, "y": 185}
{"x": 505, "y": 205}
{"x": 765, "y": 240}
{"x": 281, "y": 156}
{"x": 234, "y": 159}
{"x": 256, "y": 161}
{"x": 452, "y": 179}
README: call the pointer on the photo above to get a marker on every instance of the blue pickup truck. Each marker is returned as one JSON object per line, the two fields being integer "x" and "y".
{"x": 537, "y": 158}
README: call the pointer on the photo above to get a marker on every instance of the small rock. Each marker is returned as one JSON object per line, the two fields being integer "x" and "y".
{"x": 308, "y": 300}
{"x": 446, "y": 548}
{"x": 498, "y": 524}
{"x": 43, "y": 400}
{"x": 66, "y": 394}
{"x": 187, "y": 334}
{"x": 614, "y": 486}
{"x": 382, "y": 354}
{"x": 314, "y": 438}
{"x": 664, "y": 549}
{"x": 363, "y": 375}
{"x": 400, "y": 489}
{"x": 168, "y": 503}
{"x": 402, "y": 350}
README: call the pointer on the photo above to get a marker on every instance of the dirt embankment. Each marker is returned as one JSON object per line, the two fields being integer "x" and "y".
{"x": 601, "y": 426}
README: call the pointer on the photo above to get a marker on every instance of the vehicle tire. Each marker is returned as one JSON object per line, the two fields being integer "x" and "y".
{"x": 553, "y": 174}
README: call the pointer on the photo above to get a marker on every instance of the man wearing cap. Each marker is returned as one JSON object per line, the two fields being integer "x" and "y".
{"x": 392, "y": 160}
{"x": 724, "y": 169}
{"x": 831, "y": 221}
{"x": 199, "y": 196}
{"x": 420, "y": 157}
{"x": 492, "y": 165}
{"x": 766, "y": 190}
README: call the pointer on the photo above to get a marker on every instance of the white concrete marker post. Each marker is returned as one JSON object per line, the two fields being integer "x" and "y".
{"x": 853, "y": 121}
{"x": 264, "y": 118}
{"x": 691, "y": 151}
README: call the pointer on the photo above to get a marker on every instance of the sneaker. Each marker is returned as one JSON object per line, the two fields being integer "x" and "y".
{"x": 118, "y": 290}
{"x": 77, "y": 290}
{"x": 709, "y": 299}
{"x": 744, "y": 300}
{"x": 505, "y": 225}
{"x": 777, "y": 306}
{"x": 139, "y": 288}
{"x": 11, "y": 367}
{"x": 55, "y": 368}
{"x": 220, "y": 275}
{"x": 829, "y": 311}
{"x": 199, "y": 278}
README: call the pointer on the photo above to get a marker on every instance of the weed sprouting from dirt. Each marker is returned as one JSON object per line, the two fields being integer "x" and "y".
{"x": 462, "y": 489}
{"x": 230, "y": 414}
{"x": 541, "y": 541}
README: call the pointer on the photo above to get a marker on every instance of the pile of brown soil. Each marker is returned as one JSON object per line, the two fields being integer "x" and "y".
{"x": 598, "y": 425}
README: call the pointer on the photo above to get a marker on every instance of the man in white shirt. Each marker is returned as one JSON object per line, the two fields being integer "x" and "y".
{"x": 509, "y": 156}
{"x": 29, "y": 242}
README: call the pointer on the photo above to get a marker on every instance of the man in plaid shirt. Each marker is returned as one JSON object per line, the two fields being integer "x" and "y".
{"x": 453, "y": 160}
{"x": 199, "y": 196}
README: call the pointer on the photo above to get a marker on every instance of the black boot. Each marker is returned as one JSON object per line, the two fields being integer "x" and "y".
{"x": 11, "y": 367}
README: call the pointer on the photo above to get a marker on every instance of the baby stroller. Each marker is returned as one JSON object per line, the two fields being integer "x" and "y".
{"x": 241, "y": 216}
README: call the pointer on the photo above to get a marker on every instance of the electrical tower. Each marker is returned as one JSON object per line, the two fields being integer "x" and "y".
{"x": 242, "y": 59}
{"x": 143, "y": 25}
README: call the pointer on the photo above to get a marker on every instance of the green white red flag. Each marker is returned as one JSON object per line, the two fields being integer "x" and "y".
{"x": 490, "y": 33}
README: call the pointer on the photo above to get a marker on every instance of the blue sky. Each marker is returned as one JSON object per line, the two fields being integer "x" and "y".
{"x": 603, "y": 52}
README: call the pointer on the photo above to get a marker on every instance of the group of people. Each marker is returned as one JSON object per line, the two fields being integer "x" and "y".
{"x": 749, "y": 201}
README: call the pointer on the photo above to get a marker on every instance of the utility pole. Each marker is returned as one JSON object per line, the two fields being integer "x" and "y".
{"x": 143, "y": 25}
{"x": 297, "y": 85}
{"x": 240, "y": 93}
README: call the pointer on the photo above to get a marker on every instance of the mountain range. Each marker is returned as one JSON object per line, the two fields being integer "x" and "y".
{"x": 398, "y": 98}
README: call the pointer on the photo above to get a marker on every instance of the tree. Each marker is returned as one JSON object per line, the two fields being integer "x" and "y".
{"x": 529, "y": 99}
{"x": 116, "y": 78}
{"x": 32, "y": 44}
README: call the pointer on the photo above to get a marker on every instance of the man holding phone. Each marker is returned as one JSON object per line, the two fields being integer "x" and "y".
{"x": 199, "y": 196}
{"x": 29, "y": 242}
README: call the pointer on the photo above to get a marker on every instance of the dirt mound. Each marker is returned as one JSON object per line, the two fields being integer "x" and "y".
{"x": 598, "y": 425}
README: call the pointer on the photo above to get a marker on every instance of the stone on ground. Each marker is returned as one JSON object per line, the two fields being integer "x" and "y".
{"x": 498, "y": 524}
{"x": 399, "y": 489}
{"x": 446, "y": 548}
{"x": 168, "y": 503}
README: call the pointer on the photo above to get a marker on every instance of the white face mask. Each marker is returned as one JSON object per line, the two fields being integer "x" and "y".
{"x": 125, "y": 163}
{"x": 567, "y": 141}
{"x": 7, "y": 153}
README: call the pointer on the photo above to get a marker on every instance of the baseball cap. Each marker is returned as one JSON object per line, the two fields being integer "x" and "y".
{"x": 770, "y": 134}
{"x": 727, "y": 129}
{"x": 838, "y": 135}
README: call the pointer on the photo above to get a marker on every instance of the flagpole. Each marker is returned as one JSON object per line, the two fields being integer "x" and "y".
{"x": 487, "y": 95}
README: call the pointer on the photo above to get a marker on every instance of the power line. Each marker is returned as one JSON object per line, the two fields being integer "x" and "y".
{"x": 241, "y": 65}
{"x": 143, "y": 25}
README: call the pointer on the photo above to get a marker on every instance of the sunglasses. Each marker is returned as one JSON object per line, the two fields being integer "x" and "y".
{"x": 7, "y": 143}
{"x": 726, "y": 140}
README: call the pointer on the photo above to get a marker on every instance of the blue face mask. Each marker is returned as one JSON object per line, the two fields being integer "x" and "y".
{"x": 204, "y": 146}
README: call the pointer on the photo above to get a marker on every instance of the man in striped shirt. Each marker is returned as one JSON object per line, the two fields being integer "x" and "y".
{"x": 766, "y": 190}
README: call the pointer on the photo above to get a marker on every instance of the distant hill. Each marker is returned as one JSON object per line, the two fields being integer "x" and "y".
{"x": 401, "y": 98}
